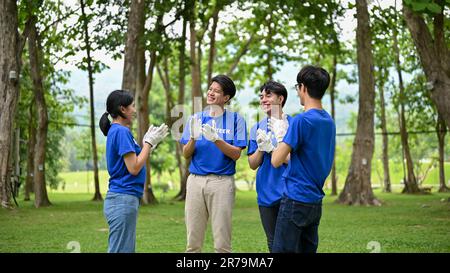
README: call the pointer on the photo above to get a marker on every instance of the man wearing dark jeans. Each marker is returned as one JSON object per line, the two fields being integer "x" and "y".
{"x": 269, "y": 184}
{"x": 310, "y": 141}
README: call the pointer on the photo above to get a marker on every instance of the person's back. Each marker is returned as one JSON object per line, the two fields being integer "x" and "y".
{"x": 311, "y": 156}
{"x": 310, "y": 142}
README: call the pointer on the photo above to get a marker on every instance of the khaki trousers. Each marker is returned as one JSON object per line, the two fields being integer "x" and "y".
{"x": 209, "y": 196}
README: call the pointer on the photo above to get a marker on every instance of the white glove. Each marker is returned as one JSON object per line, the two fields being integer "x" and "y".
{"x": 210, "y": 132}
{"x": 279, "y": 127}
{"x": 264, "y": 141}
{"x": 154, "y": 135}
{"x": 195, "y": 127}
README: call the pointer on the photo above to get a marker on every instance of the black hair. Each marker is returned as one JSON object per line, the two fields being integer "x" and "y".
{"x": 227, "y": 85}
{"x": 316, "y": 80}
{"x": 115, "y": 100}
{"x": 275, "y": 87}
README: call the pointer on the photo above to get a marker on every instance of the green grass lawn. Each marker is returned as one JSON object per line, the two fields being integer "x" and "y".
{"x": 82, "y": 182}
{"x": 403, "y": 224}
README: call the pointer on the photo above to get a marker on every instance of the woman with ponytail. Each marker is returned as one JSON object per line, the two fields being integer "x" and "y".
{"x": 126, "y": 167}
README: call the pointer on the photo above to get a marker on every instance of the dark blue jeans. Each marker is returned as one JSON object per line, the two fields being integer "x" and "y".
{"x": 269, "y": 220}
{"x": 297, "y": 227}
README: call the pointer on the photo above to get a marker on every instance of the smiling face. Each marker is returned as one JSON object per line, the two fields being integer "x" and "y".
{"x": 269, "y": 100}
{"x": 129, "y": 112}
{"x": 216, "y": 96}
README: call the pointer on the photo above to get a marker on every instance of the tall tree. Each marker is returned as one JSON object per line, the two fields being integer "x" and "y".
{"x": 135, "y": 18}
{"x": 90, "y": 70}
{"x": 433, "y": 49}
{"x": 383, "y": 23}
{"x": 35, "y": 54}
{"x": 135, "y": 80}
{"x": 11, "y": 46}
{"x": 195, "y": 64}
{"x": 409, "y": 180}
{"x": 212, "y": 43}
{"x": 385, "y": 149}
{"x": 358, "y": 189}
{"x": 182, "y": 166}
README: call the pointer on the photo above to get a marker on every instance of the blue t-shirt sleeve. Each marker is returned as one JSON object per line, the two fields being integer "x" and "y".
{"x": 186, "y": 133}
{"x": 240, "y": 134}
{"x": 252, "y": 145}
{"x": 293, "y": 135}
{"x": 125, "y": 142}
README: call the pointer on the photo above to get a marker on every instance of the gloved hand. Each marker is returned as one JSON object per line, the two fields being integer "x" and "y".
{"x": 154, "y": 135}
{"x": 210, "y": 132}
{"x": 195, "y": 127}
{"x": 279, "y": 127}
{"x": 264, "y": 141}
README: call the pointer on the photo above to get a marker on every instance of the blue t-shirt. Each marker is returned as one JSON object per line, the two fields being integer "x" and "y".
{"x": 120, "y": 142}
{"x": 312, "y": 137}
{"x": 269, "y": 180}
{"x": 207, "y": 157}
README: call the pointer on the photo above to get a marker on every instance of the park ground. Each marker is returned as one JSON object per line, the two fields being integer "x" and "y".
{"x": 404, "y": 223}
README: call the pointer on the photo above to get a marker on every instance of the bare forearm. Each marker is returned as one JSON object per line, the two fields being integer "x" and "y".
{"x": 189, "y": 148}
{"x": 280, "y": 154}
{"x": 142, "y": 157}
{"x": 255, "y": 159}
{"x": 135, "y": 163}
{"x": 231, "y": 151}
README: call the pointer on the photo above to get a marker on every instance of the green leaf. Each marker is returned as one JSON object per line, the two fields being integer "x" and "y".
{"x": 433, "y": 7}
{"x": 417, "y": 6}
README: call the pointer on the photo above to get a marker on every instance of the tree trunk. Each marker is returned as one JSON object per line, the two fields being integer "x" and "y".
{"x": 135, "y": 18}
{"x": 385, "y": 155}
{"x": 183, "y": 167}
{"x": 29, "y": 181}
{"x": 358, "y": 189}
{"x": 242, "y": 51}
{"x": 441, "y": 131}
{"x": 212, "y": 45}
{"x": 134, "y": 80}
{"x": 40, "y": 189}
{"x": 410, "y": 181}
{"x": 164, "y": 76}
{"x": 9, "y": 91}
{"x": 97, "y": 194}
{"x": 435, "y": 57}
{"x": 269, "y": 69}
{"x": 332, "y": 97}
{"x": 195, "y": 65}
{"x": 144, "y": 123}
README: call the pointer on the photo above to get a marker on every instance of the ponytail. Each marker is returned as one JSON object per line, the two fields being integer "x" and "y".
{"x": 104, "y": 124}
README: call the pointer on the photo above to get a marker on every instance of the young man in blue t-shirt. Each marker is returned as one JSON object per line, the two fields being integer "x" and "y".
{"x": 269, "y": 181}
{"x": 214, "y": 140}
{"x": 310, "y": 141}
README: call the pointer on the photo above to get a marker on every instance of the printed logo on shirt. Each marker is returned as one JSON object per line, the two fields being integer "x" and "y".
{"x": 223, "y": 131}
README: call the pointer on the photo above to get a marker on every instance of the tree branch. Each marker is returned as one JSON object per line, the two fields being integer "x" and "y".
{"x": 242, "y": 52}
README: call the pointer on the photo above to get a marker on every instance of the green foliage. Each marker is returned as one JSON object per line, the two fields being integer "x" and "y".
{"x": 428, "y": 6}
{"x": 274, "y": 32}
{"x": 60, "y": 101}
